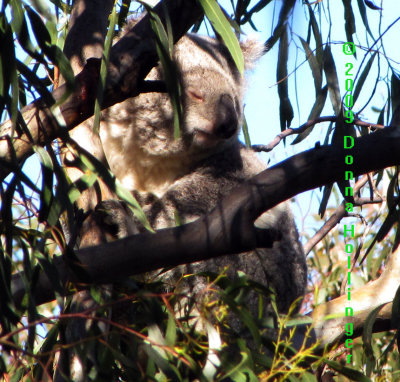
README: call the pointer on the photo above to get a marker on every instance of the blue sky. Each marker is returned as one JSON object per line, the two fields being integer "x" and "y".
{"x": 262, "y": 103}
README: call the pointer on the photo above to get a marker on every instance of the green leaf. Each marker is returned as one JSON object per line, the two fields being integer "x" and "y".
{"x": 325, "y": 198}
{"x": 18, "y": 376}
{"x": 314, "y": 114}
{"x": 395, "y": 92}
{"x": 314, "y": 65}
{"x": 170, "y": 334}
{"x": 363, "y": 77}
{"x": 390, "y": 220}
{"x": 164, "y": 46}
{"x": 8, "y": 72}
{"x": 381, "y": 117}
{"x": 40, "y": 31}
{"x": 246, "y": 134}
{"x": 363, "y": 13}
{"x": 317, "y": 35}
{"x": 395, "y": 318}
{"x": 46, "y": 194}
{"x": 285, "y": 106}
{"x": 332, "y": 80}
{"x": 285, "y": 12}
{"x": 218, "y": 20}
{"x": 371, "y": 5}
{"x": 350, "y": 24}
{"x": 36, "y": 82}
{"x": 103, "y": 70}
{"x": 236, "y": 373}
{"x": 87, "y": 163}
{"x": 53, "y": 52}
{"x": 20, "y": 28}
{"x": 159, "y": 355}
{"x": 367, "y": 335}
{"x": 257, "y": 8}
{"x": 245, "y": 316}
{"x": 347, "y": 372}
{"x": 51, "y": 272}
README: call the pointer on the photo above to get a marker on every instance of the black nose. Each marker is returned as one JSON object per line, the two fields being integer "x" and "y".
{"x": 227, "y": 118}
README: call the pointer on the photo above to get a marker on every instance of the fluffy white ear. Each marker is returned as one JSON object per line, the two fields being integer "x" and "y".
{"x": 253, "y": 50}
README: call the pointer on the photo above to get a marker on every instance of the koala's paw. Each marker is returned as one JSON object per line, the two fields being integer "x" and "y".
{"x": 116, "y": 218}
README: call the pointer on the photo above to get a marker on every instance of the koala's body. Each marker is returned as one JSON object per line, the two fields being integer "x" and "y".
{"x": 188, "y": 175}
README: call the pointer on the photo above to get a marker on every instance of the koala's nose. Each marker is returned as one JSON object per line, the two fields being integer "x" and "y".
{"x": 227, "y": 119}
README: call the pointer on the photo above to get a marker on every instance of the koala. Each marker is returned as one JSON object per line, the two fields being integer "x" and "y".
{"x": 188, "y": 175}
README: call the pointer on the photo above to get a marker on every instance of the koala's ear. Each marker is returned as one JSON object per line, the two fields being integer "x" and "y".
{"x": 253, "y": 50}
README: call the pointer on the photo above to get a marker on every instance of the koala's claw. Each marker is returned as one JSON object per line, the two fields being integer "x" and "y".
{"x": 116, "y": 218}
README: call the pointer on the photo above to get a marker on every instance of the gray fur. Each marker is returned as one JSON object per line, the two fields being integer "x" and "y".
{"x": 190, "y": 174}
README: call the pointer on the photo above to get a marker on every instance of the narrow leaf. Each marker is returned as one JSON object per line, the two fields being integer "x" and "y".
{"x": 363, "y": 13}
{"x": 223, "y": 28}
{"x": 354, "y": 375}
{"x": 363, "y": 77}
{"x": 371, "y": 5}
{"x": 285, "y": 107}
{"x": 103, "y": 70}
{"x": 332, "y": 80}
{"x": 350, "y": 24}
{"x": 315, "y": 67}
{"x": 314, "y": 114}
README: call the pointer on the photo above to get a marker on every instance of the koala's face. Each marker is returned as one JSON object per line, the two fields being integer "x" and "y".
{"x": 212, "y": 109}
{"x": 142, "y": 129}
{"x": 138, "y": 134}
{"x": 212, "y": 102}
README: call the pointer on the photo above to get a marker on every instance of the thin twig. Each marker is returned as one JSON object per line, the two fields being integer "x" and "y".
{"x": 304, "y": 127}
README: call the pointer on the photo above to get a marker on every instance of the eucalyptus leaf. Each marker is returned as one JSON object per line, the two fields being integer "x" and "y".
{"x": 222, "y": 26}
{"x": 363, "y": 77}
{"x": 332, "y": 80}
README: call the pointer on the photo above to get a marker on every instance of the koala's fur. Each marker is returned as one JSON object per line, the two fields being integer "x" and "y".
{"x": 190, "y": 174}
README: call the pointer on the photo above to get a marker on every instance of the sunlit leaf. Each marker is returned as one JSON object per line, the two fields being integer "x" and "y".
{"x": 103, "y": 70}
{"x": 314, "y": 65}
{"x": 164, "y": 45}
{"x": 347, "y": 371}
{"x": 223, "y": 28}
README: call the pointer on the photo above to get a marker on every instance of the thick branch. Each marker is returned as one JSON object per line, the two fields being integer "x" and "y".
{"x": 87, "y": 30}
{"x": 228, "y": 228}
{"x": 130, "y": 61}
{"x": 329, "y": 319}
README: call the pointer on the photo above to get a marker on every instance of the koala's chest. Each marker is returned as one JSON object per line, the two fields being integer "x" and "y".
{"x": 140, "y": 173}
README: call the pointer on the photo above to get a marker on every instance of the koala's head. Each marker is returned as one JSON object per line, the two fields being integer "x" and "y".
{"x": 213, "y": 90}
{"x": 212, "y": 102}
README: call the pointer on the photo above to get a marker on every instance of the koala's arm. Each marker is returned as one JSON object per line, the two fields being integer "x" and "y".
{"x": 282, "y": 267}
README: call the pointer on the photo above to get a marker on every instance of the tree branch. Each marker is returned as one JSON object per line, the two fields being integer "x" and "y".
{"x": 130, "y": 61}
{"x": 229, "y": 227}
{"x": 338, "y": 215}
{"x": 329, "y": 319}
{"x": 291, "y": 131}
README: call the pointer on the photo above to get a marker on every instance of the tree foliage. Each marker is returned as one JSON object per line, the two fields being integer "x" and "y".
{"x": 38, "y": 88}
